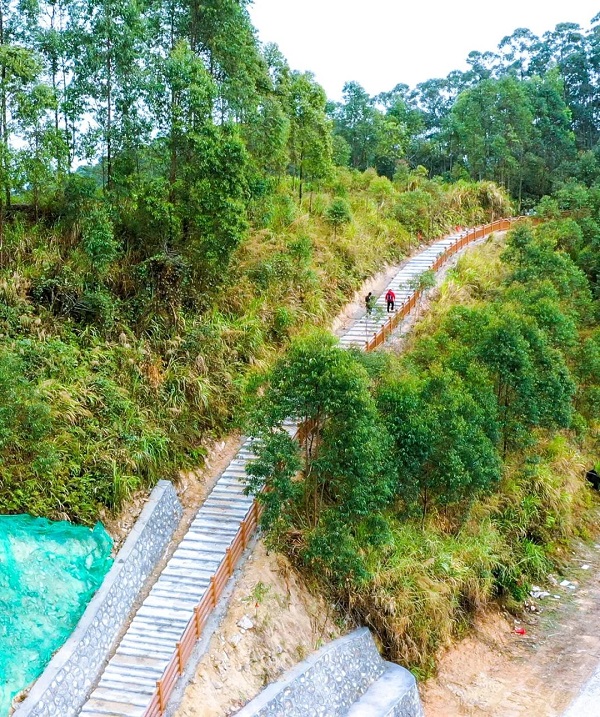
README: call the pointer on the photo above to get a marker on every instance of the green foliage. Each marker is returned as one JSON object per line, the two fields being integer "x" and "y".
{"x": 325, "y": 494}
{"x": 98, "y": 241}
{"x": 444, "y": 439}
{"x": 479, "y": 485}
{"x": 338, "y": 213}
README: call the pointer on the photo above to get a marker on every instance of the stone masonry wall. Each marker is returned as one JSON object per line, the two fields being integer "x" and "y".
{"x": 329, "y": 682}
{"x": 62, "y": 688}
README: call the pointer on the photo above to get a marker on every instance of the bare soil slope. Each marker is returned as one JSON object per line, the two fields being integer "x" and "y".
{"x": 499, "y": 673}
{"x": 272, "y": 622}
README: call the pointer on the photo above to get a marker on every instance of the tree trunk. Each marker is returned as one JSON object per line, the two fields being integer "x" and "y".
{"x": 4, "y": 122}
{"x": 109, "y": 69}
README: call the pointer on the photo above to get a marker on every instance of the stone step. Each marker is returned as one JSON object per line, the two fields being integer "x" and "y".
{"x": 196, "y": 567}
{"x": 166, "y": 615}
{"x": 143, "y": 647}
{"x": 394, "y": 687}
{"x": 221, "y": 504}
{"x": 129, "y": 682}
{"x": 134, "y": 696}
{"x": 207, "y": 540}
{"x": 214, "y": 525}
{"x": 188, "y": 552}
{"x": 196, "y": 553}
{"x": 112, "y": 708}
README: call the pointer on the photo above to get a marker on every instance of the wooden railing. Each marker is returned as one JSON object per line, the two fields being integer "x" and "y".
{"x": 202, "y": 611}
{"x": 177, "y": 664}
{"x": 380, "y": 336}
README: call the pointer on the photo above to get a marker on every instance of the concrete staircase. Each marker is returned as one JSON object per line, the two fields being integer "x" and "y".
{"x": 364, "y": 328}
{"x": 129, "y": 680}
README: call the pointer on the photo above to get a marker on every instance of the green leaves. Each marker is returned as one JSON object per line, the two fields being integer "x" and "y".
{"x": 344, "y": 476}
{"x": 444, "y": 440}
{"x": 338, "y": 213}
{"x": 97, "y": 238}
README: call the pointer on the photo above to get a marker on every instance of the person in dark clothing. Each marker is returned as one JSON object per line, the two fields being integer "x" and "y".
{"x": 390, "y": 297}
{"x": 369, "y": 303}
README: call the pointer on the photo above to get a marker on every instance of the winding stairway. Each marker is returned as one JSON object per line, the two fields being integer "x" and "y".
{"x": 128, "y": 686}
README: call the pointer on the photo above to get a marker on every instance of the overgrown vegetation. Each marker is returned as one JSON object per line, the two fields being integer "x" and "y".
{"x": 112, "y": 374}
{"x": 177, "y": 205}
{"x": 434, "y": 480}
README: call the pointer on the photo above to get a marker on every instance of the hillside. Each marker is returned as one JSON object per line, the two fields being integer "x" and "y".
{"x": 98, "y": 404}
{"x": 183, "y": 214}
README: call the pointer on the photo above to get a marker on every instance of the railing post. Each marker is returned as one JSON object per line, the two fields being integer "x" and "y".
{"x": 197, "y": 622}
{"x": 162, "y": 705}
{"x": 180, "y": 664}
{"x": 213, "y": 591}
{"x": 229, "y": 559}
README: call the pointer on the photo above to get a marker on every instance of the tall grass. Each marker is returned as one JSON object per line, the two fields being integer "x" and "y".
{"x": 427, "y": 581}
{"x": 137, "y": 368}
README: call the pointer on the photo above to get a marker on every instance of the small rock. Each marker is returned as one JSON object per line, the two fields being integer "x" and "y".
{"x": 538, "y": 593}
{"x": 245, "y": 623}
{"x": 585, "y": 567}
{"x": 217, "y": 685}
{"x": 235, "y": 639}
{"x": 565, "y": 584}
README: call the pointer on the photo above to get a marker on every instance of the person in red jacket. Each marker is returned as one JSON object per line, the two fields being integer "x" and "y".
{"x": 390, "y": 297}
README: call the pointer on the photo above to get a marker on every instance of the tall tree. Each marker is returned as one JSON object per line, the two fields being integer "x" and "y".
{"x": 310, "y": 148}
{"x": 492, "y": 124}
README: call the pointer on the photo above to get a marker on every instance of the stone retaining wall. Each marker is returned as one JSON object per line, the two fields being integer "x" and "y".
{"x": 332, "y": 680}
{"x": 62, "y": 688}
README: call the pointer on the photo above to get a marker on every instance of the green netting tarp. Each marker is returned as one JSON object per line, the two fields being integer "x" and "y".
{"x": 48, "y": 574}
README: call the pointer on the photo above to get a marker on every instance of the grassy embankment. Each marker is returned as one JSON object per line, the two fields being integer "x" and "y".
{"x": 450, "y": 475}
{"x": 109, "y": 382}
{"x": 430, "y": 580}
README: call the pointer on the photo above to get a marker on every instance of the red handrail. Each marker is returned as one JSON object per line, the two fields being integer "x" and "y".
{"x": 179, "y": 659}
{"x": 470, "y": 236}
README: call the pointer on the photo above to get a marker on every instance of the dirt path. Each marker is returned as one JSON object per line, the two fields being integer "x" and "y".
{"x": 499, "y": 673}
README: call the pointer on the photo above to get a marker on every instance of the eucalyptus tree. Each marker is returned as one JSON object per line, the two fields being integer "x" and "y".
{"x": 309, "y": 144}
{"x": 355, "y": 120}
{"x": 197, "y": 196}
{"x": 518, "y": 52}
{"x": 19, "y": 70}
{"x": 221, "y": 33}
{"x": 338, "y": 213}
{"x": 45, "y": 148}
{"x": 109, "y": 75}
{"x": 55, "y": 34}
{"x": 492, "y": 123}
{"x": 551, "y": 144}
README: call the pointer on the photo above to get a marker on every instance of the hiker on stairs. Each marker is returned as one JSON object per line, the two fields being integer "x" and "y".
{"x": 390, "y": 298}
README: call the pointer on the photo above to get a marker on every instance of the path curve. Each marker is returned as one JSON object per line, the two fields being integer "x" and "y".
{"x": 152, "y": 654}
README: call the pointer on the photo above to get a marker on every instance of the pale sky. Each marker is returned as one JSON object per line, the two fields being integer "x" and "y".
{"x": 380, "y": 43}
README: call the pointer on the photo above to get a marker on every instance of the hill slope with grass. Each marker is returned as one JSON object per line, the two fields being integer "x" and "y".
{"x": 435, "y": 481}
{"x": 109, "y": 384}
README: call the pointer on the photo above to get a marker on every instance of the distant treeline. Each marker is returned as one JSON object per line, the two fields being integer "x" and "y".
{"x": 185, "y": 121}
{"x": 525, "y": 116}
